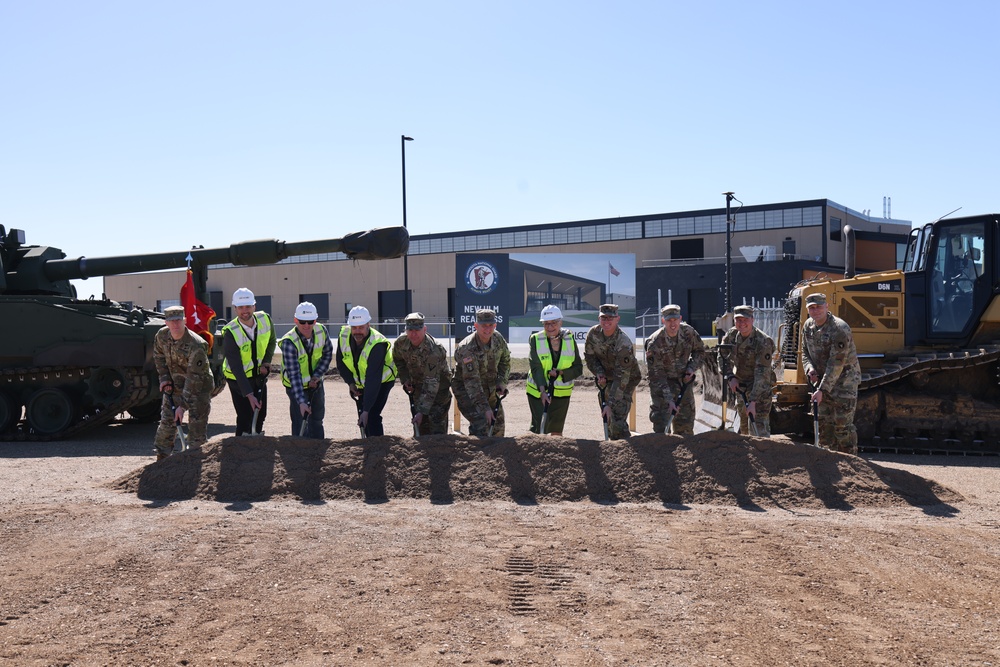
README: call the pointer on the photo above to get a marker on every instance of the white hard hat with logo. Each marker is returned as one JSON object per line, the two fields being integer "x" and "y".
{"x": 550, "y": 313}
{"x": 359, "y": 315}
{"x": 305, "y": 311}
{"x": 243, "y": 297}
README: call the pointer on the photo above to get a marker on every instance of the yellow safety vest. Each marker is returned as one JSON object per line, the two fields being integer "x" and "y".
{"x": 319, "y": 340}
{"x": 560, "y": 387}
{"x": 244, "y": 342}
{"x": 374, "y": 338}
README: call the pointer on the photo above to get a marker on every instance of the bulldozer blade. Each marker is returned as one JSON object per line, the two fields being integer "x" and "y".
{"x": 714, "y": 413}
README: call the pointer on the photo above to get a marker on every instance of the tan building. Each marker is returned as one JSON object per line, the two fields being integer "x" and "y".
{"x": 803, "y": 236}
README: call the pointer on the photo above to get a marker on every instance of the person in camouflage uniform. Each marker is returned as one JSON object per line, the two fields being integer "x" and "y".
{"x": 482, "y": 369}
{"x": 830, "y": 361}
{"x": 748, "y": 370}
{"x": 610, "y": 356}
{"x": 422, "y": 363}
{"x": 674, "y": 353}
{"x": 181, "y": 359}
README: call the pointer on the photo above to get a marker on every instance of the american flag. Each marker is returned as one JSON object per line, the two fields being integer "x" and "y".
{"x": 613, "y": 270}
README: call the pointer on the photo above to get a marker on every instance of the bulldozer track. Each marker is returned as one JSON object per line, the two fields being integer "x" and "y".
{"x": 905, "y": 441}
{"x": 58, "y": 376}
{"x": 929, "y": 361}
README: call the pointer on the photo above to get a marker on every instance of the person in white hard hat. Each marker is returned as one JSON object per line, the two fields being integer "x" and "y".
{"x": 248, "y": 345}
{"x": 554, "y": 361}
{"x": 364, "y": 361}
{"x": 306, "y": 354}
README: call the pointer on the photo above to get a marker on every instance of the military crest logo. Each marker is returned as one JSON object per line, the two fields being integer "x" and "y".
{"x": 481, "y": 277}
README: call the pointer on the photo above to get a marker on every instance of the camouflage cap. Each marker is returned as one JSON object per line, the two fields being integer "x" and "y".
{"x": 486, "y": 316}
{"x": 415, "y": 321}
{"x": 670, "y": 312}
{"x": 173, "y": 313}
{"x": 816, "y": 299}
{"x": 743, "y": 311}
{"x": 609, "y": 309}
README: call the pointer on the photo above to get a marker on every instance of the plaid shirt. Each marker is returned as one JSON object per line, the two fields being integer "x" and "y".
{"x": 290, "y": 361}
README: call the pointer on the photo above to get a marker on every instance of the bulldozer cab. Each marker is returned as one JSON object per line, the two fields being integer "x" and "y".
{"x": 953, "y": 261}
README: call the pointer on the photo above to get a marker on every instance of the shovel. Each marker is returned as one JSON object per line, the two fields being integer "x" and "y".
{"x": 256, "y": 412}
{"x": 357, "y": 402}
{"x": 601, "y": 399}
{"x": 413, "y": 411}
{"x": 180, "y": 427}
{"x": 305, "y": 419}
{"x": 496, "y": 411}
{"x": 545, "y": 408}
{"x": 750, "y": 419}
{"x": 677, "y": 405}
{"x": 815, "y": 412}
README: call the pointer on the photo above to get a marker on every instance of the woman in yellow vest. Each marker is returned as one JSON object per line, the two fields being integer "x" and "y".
{"x": 554, "y": 361}
{"x": 365, "y": 363}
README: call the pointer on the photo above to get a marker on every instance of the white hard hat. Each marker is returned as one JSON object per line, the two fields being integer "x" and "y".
{"x": 550, "y": 313}
{"x": 359, "y": 315}
{"x": 243, "y": 297}
{"x": 305, "y": 311}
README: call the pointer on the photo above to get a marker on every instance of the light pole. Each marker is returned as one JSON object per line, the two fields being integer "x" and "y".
{"x": 730, "y": 228}
{"x": 406, "y": 269}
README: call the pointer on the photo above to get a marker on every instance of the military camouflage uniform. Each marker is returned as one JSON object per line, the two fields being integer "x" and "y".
{"x": 750, "y": 363}
{"x": 668, "y": 360}
{"x": 478, "y": 371}
{"x": 830, "y": 351}
{"x": 183, "y": 362}
{"x": 426, "y": 368}
{"x": 614, "y": 358}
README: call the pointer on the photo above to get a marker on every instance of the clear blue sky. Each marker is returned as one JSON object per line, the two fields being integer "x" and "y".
{"x": 151, "y": 126}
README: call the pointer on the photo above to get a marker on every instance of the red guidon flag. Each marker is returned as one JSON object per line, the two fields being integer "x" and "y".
{"x": 198, "y": 314}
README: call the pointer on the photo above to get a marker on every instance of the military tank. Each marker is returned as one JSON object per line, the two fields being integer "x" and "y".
{"x": 68, "y": 364}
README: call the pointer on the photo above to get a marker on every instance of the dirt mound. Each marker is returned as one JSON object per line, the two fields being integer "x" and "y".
{"x": 710, "y": 468}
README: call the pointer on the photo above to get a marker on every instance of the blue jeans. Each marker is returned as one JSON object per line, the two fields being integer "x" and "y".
{"x": 314, "y": 426}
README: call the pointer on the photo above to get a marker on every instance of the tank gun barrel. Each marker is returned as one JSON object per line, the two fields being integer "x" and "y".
{"x": 384, "y": 243}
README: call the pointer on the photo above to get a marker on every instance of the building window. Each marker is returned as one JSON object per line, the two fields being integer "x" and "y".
{"x": 793, "y": 217}
{"x": 755, "y": 220}
{"x": 687, "y": 249}
{"x": 812, "y": 216}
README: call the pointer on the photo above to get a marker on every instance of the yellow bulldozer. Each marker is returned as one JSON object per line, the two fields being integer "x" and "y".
{"x": 928, "y": 338}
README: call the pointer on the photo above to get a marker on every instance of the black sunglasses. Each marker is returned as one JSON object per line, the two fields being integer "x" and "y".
{"x": 309, "y": 322}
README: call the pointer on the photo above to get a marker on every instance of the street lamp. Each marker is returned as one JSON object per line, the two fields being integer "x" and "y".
{"x": 406, "y": 269}
{"x": 730, "y": 229}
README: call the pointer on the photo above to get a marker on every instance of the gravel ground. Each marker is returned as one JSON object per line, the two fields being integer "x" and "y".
{"x": 711, "y": 550}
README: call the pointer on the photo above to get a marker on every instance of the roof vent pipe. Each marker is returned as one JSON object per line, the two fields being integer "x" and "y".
{"x": 849, "y": 265}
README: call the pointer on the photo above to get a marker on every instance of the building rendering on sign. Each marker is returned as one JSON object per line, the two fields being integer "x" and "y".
{"x": 682, "y": 254}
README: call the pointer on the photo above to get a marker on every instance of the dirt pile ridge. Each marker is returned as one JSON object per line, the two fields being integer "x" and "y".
{"x": 710, "y": 468}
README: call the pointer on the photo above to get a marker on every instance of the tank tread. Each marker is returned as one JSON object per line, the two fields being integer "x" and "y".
{"x": 135, "y": 378}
